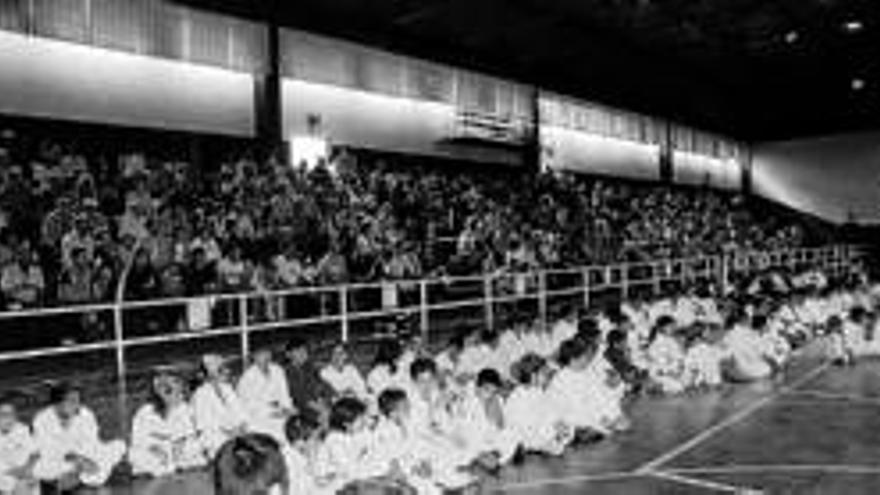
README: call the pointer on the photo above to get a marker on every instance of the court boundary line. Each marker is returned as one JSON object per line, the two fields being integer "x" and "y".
{"x": 818, "y": 395}
{"x": 776, "y": 468}
{"x": 701, "y": 483}
{"x": 652, "y": 466}
{"x": 585, "y": 478}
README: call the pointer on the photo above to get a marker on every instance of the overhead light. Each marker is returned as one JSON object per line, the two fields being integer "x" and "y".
{"x": 857, "y": 84}
{"x": 791, "y": 37}
{"x": 853, "y": 26}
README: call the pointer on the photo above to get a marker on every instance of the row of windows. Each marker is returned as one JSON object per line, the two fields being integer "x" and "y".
{"x": 164, "y": 29}
{"x": 148, "y": 27}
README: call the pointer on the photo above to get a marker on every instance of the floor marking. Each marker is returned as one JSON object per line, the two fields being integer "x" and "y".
{"x": 622, "y": 475}
{"x": 780, "y": 468}
{"x": 710, "y": 485}
{"x": 708, "y": 433}
{"x": 817, "y": 394}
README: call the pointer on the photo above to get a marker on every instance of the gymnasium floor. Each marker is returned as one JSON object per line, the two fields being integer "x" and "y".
{"x": 815, "y": 430}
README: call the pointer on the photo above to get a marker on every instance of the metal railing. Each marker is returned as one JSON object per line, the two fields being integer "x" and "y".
{"x": 236, "y": 323}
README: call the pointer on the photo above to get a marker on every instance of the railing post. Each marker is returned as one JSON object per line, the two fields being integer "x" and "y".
{"x": 423, "y": 308}
{"x": 542, "y": 298}
{"x": 121, "y": 375}
{"x": 624, "y": 281}
{"x": 343, "y": 311}
{"x": 585, "y": 275}
{"x": 488, "y": 300}
{"x": 658, "y": 277}
{"x": 245, "y": 329}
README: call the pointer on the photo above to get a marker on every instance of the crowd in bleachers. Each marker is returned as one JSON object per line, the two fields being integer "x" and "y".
{"x": 71, "y": 219}
{"x": 423, "y": 422}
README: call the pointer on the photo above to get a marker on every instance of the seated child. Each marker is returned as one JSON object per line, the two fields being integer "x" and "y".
{"x": 531, "y": 416}
{"x": 18, "y": 453}
{"x": 71, "y": 452}
{"x": 164, "y": 435}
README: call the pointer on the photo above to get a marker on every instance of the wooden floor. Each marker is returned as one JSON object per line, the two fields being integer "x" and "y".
{"x": 815, "y": 430}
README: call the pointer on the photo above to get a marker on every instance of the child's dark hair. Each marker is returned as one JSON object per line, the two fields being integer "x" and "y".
{"x": 572, "y": 349}
{"x": 390, "y": 399}
{"x": 388, "y": 352}
{"x": 59, "y": 391}
{"x": 421, "y": 366}
{"x": 489, "y": 376}
{"x": 301, "y": 427}
{"x": 345, "y": 412}
{"x": 249, "y": 465}
{"x": 527, "y": 367}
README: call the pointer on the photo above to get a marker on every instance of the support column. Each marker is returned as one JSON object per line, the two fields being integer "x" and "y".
{"x": 667, "y": 173}
{"x": 267, "y": 92}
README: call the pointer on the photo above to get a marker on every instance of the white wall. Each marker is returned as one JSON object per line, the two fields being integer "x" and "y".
{"x": 567, "y": 149}
{"x": 370, "y": 120}
{"x": 829, "y": 177}
{"x": 701, "y": 170}
{"x": 46, "y": 78}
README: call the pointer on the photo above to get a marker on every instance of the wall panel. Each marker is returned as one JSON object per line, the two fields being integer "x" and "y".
{"x": 47, "y": 78}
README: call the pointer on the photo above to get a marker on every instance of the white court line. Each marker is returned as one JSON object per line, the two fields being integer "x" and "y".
{"x": 708, "y": 433}
{"x": 526, "y": 485}
{"x": 777, "y": 468}
{"x": 817, "y": 394}
{"x": 709, "y": 485}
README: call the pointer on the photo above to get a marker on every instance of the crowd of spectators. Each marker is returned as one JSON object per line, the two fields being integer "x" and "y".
{"x": 71, "y": 222}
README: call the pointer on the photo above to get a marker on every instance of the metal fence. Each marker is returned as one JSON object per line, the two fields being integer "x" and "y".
{"x": 114, "y": 363}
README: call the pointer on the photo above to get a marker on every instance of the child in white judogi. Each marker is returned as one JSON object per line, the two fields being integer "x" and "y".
{"x": 220, "y": 413}
{"x": 703, "y": 361}
{"x": 302, "y": 455}
{"x": 69, "y": 444}
{"x": 387, "y": 371}
{"x": 578, "y": 393}
{"x": 265, "y": 394}
{"x": 423, "y": 465}
{"x": 480, "y": 423}
{"x": 749, "y": 355}
{"x": 164, "y": 439}
{"x": 343, "y": 376}
{"x": 666, "y": 358}
{"x": 350, "y": 453}
{"x": 531, "y": 416}
{"x": 18, "y": 452}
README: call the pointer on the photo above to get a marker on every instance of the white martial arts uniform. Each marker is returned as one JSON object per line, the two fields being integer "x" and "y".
{"x": 381, "y": 378}
{"x": 302, "y": 475}
{"x": 479, "y": 433}
{"x": 399, "y": 444}
{"x": 348, "y": 458}
{"x": 702, "y": 365}
{"x": 748, "y": 352}
{"x": 174, "y": 435}
{"x": 579, "y": 399}
{"x": 347, "y": 381}
{"x": 666, "y": 364}
{"x": 220, "y": 414}
{"x": 79, "y": 436}
{"x": 534, "y": 421}
{"x": 266, "y": 398}
{"x": 17, "y": 447}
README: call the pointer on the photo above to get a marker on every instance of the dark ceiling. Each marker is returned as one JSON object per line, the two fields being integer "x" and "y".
{"x": 754, "y": 69}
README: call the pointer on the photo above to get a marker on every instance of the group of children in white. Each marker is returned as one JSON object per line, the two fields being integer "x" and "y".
{"x": 431, "y": 423}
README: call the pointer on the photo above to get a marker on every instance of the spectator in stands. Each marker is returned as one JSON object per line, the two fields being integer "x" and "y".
{"x": 22, "y": 280}
{"x": 75, "y": 284}
{"x": 71, "y": 452}
{"x": 201, "y": 277}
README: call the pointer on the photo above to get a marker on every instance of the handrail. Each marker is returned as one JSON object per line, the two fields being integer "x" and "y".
{"x": 335, "y": 288}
